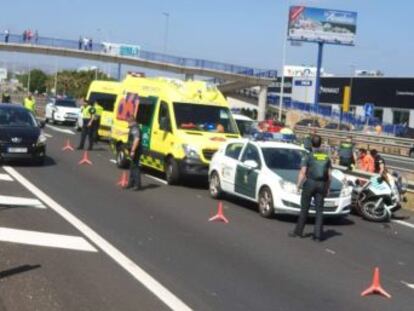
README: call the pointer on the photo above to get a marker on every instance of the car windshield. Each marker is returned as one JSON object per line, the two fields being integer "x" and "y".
{"x": 283, "y": 158}
{"x": 204, "y": 118}
{"x": 66, "y": 103}
{"x": 14, "y": 117}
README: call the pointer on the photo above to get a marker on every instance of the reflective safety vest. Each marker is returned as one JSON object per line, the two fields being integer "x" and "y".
{"x": 30, "y": 104}
{"x": 98, "y": 109}
{"x": 346, "y": 150}
{"x": 87, "y": 112}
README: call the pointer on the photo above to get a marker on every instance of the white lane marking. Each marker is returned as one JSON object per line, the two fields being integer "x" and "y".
{"x": 19, "y": 201}
{"x": 410, "y": 285}
{"x": 157, "y": 179}
{"x": 45, "y": 239}
{"x": 404, "y": 223}
{"x": 131, "y": 267}
{"x": 330, "y": 251}
{"x": 112, "y": 161}
{"x": 5, "y": 177}
{"x": 58, "y": 129}
{"x": 48, "y": 135}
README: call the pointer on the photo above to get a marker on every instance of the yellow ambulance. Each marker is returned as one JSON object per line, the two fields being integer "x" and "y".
{"x": 182, "y": 124}
{"x": 105, "y": 93}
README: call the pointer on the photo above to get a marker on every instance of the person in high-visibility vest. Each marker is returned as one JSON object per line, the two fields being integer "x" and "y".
{"x": 30, "y": 103}
{"x": 97, "y": 120}
{"x": 88, "y": 115}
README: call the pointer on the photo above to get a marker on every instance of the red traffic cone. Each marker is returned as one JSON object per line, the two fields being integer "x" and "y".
{"x": 85, "y": 159}
{"x": 67, "y": 146}
{"x": 123, "y": 181}
{"x": 219, "y": 216}
{"x": 376, "y": 287}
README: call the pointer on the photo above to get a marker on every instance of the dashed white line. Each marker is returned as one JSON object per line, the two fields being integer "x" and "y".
{"x": 18, "y": 201}
{"x": 5, "y": 177}
{"x": 45, "y": 239}
{"x": 410, "y": 285}
{"x": 131, "y": 267}
{"x": 157, "y": 179}
{"x": 112, "y": 161}
{"x": 404, "y": 223}
{"x": 48, "y": 135}
{"x": 58, "y": 129}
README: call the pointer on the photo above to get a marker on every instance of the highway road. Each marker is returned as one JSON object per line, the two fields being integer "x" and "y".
{"x": 71, "y": 239}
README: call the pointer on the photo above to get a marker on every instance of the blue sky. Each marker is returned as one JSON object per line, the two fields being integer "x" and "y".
{"x": 244, "y": 32}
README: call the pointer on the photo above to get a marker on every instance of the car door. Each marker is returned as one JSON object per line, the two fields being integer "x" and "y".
{"x": 246, "y": 177}
{"x": 229, "y": 165}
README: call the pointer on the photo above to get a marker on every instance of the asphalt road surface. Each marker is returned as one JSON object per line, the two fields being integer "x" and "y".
{"x": 71, "y": 239}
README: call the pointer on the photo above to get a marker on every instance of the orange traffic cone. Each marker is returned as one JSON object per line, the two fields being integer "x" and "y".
{"x": 219, "y": 216}
{"x": 85, "y": 159}
{"x": 123, "y": 181}
{"x": 67, "y": 146}
{"x": 376, "y": 287}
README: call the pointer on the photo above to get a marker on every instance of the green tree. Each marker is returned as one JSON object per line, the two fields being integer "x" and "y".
{"x": 38, "y": 80}
{"x": 75, "y": 83}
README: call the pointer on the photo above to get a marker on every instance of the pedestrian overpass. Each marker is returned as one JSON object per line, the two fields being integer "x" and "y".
{"x": 232, "y": 77}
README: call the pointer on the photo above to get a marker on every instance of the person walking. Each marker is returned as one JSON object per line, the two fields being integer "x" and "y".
{"x": 90, "y": 44}
{"x": 315, "y": 176}
{"x": 135, "y": 141}
{"x": 80, "y": 43}
{"x": 30, "y": 103}
{"x": 346, "y": 153}
{"x": 24, "y": 36}
{"x": 88, "y": 113}
{"x": 97, "y": 122}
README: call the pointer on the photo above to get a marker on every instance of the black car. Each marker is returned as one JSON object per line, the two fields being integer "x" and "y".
{"x": 337, "y": 126}
{"x": 21, "y": 137}
{"x": 308, "y": 122}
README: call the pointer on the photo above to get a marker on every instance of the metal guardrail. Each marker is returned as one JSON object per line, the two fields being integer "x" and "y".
{"x": 146, "y": 55}
{"x": 390, "y": 145}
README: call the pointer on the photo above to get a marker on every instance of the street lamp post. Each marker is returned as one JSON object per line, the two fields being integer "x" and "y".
{"x": 167, "y": 22}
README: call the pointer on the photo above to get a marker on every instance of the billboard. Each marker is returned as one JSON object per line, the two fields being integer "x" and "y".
{"x": 322, "y": 25}
{"x": 121, "y": 49}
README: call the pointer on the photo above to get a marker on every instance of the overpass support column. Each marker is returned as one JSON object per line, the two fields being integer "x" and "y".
{"x": 189, "y": 77}
{"x": 262, "y": 103}
{"x": 119, "y": 71}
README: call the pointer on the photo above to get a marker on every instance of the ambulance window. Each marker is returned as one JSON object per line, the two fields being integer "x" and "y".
{"x": 145, "y": 110}
{"x": 107, "y": 101}
{"x": 164, "y": 117}
{"x": 233, "y": 150}
{"x": 251, "y": 153}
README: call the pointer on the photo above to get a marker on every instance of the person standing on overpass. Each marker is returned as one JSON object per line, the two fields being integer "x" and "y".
{"x": 88, "y": 114}
{"x": 135, "y": 141}
{"x": 30, "y": 103}
{"x": 315, "y": 177}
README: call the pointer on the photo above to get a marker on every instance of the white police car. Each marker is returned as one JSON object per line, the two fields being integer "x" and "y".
{"x": 266, "y": 173}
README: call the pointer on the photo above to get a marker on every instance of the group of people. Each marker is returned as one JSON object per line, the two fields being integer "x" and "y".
{"x": 85, "y": 44}
{"x": 314, "y": 177}
{"x": 29, "y": 36}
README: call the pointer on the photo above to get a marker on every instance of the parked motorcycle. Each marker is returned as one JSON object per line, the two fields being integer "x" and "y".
{"x": 378, "y": 199}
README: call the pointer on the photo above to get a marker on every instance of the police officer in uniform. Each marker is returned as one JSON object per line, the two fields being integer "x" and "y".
{"x": 30, "y": 103}
{"x": 97, "y": 122}
{"x": 135, "y": 141}
{"x": 88, "y": 115}
{"x": 315, "y": 171}
{"x": 346, "y": 153}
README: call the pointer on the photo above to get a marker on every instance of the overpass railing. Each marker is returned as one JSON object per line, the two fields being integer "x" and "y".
{"x": 143, "y": 54}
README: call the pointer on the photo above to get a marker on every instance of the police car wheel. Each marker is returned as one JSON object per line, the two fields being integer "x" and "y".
{"x": 171, "y": 171}
{"x": 266, "y": 208}
{"x": 215, "y": 186}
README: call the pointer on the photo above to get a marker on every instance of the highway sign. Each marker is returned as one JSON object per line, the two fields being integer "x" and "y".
{"x": 369, "y": 110}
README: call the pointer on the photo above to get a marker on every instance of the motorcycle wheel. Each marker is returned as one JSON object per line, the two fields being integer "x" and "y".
{"x": 371, "y": 213}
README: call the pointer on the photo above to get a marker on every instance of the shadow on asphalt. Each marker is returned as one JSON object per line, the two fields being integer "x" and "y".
{"x": 21, "y": 269}
{"x": 27, "y": 163}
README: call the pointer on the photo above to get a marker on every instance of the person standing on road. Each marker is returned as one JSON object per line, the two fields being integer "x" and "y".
{"x": 134, "y": 140}
{"x": 365, "y": 161}
{"x": 88, "y": 114}
{"x": 315, "y": 176}
{"x": 97, "y": 122}
{"x": 379, "y": 163}
{"x": 30, "y": 103}
{"x": 346, "y": 153}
